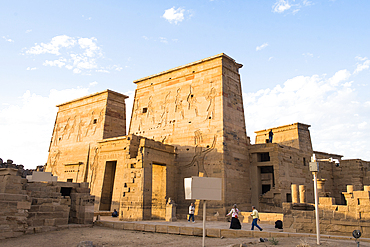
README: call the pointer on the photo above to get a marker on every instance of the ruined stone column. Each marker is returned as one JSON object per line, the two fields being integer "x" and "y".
{"x": 294, "y": 189}
{"x": 302, "y": 193}
{"x": 366, "y": 188}
{"x": 321, "y": 187}
{"x": 349, "y": 188}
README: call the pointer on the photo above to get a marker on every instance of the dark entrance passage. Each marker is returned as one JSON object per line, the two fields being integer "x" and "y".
{"x": 108, "y": 182}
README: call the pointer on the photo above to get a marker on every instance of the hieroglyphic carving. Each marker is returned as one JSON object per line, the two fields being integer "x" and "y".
{"x": 164, "y": 107}
{"x": 211, "y": 107}
{"x": 192, "y": 101}
{"x": 200, "y": 154}
{"x": 178, "y": 104}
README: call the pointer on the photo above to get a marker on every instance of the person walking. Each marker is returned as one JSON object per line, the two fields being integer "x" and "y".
{"x": 256, "y": 217}
{"x": 235, "y": 223}
{"x": 191, "y": 212}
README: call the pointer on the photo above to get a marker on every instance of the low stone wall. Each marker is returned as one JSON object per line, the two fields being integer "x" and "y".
{"x": 334, "y": 219}
{"x": 266, "y": 218}
{"x": 30, "y": 207}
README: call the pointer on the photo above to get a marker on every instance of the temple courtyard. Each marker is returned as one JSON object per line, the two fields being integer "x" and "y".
{"x": 106, "y": 232}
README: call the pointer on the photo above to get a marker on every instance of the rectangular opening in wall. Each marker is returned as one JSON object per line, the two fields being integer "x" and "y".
{"x": 343, "y": 200}
{"x": 267, "y": 178}
{"x": 70, "y": 180}
{"x": 288, "y": 197}
{"x": 263, "y": 157}
{"x": 158, "y": 191}
{"x": 107, "y": 189}
{"x": 66, "y": 191}
{"x": 266, "y": 188}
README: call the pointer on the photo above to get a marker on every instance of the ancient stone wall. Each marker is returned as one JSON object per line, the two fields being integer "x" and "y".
{"x": 198, "y": 108}
{"x": 78, "y": 125}
{"x": 30, "y": 207}
{"x": 294, "y": 135}
{"x": 334, "y": 219}
{"x": 140, "y": 178}
{"x": 274, "y": 168}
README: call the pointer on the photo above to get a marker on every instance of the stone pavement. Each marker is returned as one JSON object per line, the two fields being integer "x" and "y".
{"x": 214, "y": 229}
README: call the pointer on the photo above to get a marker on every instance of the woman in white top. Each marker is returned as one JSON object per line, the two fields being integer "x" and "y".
{"x": 235, "y": 223}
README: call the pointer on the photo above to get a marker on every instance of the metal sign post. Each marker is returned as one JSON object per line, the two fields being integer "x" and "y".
{"x": 204, "y": 223}
{"x": 316, "y": 209}
{"x": 203, "y": 188}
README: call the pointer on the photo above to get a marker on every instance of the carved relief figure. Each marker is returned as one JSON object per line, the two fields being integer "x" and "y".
{"x": 192, "y": 101}
{"x": 178, "y": 104}
{"x": 65, "y": 129}
{"x": 199, "y": 156}
{"x": 53, "y": 162}
{"x": 164, "y": 107}
{"x": 99, "y": 121}
{"x": 79, "y": 126}
{"x": 72, "y": 129}
{"x": 94, "y": 167}
{"x": 150, "y": 109}
{"x": 198, "y": 138}
{"x": 137, "y": 109}
{"x": 55, "y": 138}
{"x": 211, "y": 107}
{"x": 89, "y": 125}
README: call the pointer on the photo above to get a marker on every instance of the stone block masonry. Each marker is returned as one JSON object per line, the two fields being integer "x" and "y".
{"x": 31, "y": 207}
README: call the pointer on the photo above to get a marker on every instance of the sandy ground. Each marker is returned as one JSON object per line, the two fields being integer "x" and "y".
{"x": 101, "y": 236}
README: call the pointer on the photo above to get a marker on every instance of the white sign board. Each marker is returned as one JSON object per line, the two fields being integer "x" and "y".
{"x": 203, "y": 188}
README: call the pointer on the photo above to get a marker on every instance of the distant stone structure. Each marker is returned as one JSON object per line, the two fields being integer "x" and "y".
{"x": 188, "y": 121}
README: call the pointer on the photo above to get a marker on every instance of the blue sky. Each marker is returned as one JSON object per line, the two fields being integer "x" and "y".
{"x": 304, "y": 61}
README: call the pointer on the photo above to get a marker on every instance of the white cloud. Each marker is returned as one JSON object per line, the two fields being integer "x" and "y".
{"x": 362, "y": 66}
{"x": 307, "y": 54}
{"x": 93, "y": 83}
{"x": 76, "y": 71}
{"x": 7, "y": 39}
{"x": 280, "y": 6}
{"x": 53, "y": 47}
{"x": 102, "y": 71}
{"x": 258, "y": 48}
{"x": 29, "y": 30}
{"x": 29, "y": 68}
{"x": 326, "y": 104}
{"x": 81, "y": 55}
{"x": 173, "y": 15}
{"x": 294, "y": 6}
{"x": 60, "y": 63}
{"x": 339, "y": 76}
{"x": 360, "y": 58}
{"x": 163, "y": 40}
{"x": 270, "y": 58}
{"x": 32, "y": 118}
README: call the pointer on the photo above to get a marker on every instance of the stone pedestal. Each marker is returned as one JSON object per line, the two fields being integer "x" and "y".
{"x": 349, "y": 188}
{"x": 171, "y": 211}
{"x": 295, "y": 195}
{"x": 367, "y": 188}
{"x": 302, "y": 193}
{"x": 321, "y": 188}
